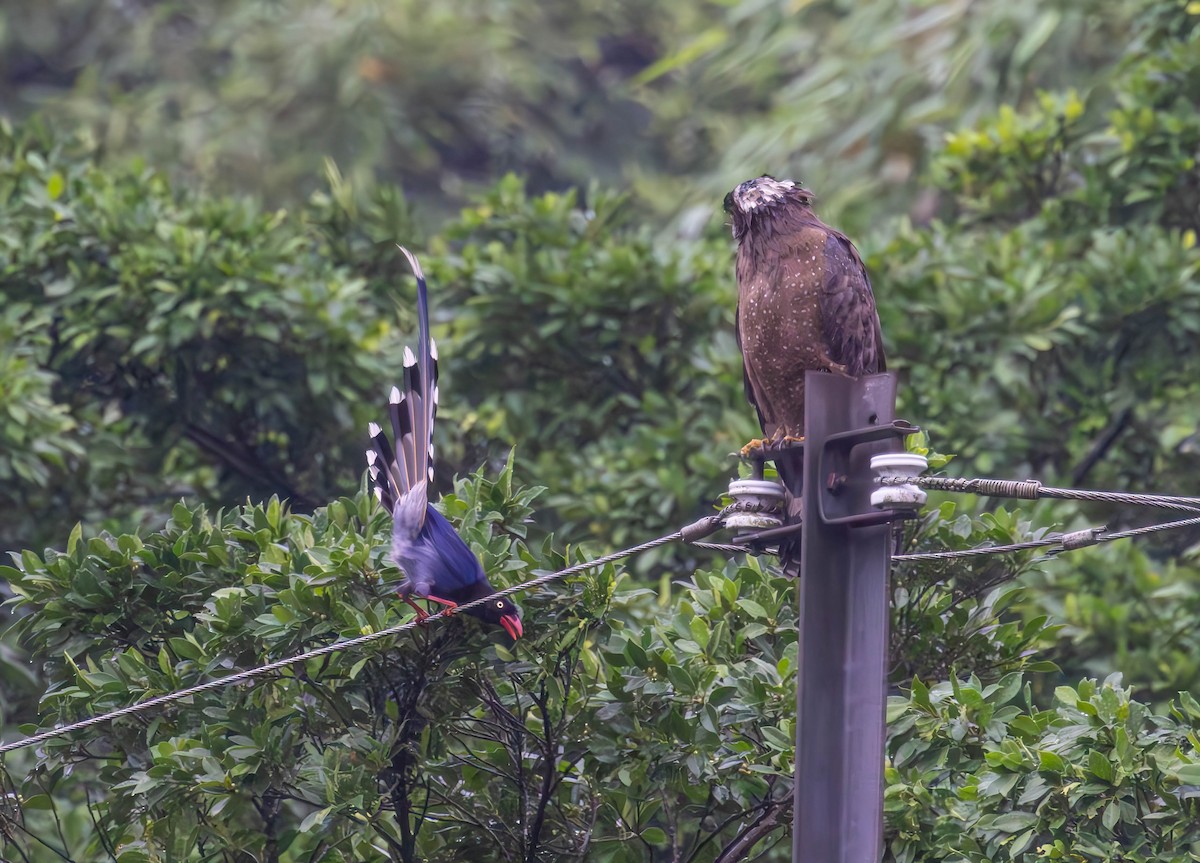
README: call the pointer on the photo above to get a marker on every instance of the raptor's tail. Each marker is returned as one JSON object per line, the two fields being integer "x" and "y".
{"x": 793, "y": 508}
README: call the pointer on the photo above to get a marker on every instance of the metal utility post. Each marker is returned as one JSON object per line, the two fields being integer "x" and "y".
{"x": 841, "y": 678}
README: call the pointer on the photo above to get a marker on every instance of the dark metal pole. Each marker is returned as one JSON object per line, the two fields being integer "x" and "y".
{"x": 841, "y": 677}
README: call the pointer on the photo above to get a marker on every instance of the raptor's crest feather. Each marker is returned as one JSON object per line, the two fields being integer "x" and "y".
{"x": 761, "y": 192}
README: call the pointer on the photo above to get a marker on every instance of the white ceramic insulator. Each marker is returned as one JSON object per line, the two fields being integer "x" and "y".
{"x": 892, "y": 466}
{"x": 763, "y": 500}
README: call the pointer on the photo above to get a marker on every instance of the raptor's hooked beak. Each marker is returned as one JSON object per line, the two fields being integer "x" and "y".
{"x": 512, "y": 625}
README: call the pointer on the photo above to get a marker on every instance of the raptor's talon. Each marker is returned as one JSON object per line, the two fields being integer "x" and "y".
{"x": 755, "y": 449}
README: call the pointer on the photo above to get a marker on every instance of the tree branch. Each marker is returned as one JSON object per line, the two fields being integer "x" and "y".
{"x": 238, "y": 458}
{"x": 777, "y": 815}
{"x": 548, "y": 770}
{"x": 1101, "y": 446}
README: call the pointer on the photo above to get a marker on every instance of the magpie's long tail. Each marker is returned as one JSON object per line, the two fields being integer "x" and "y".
{"x": 412, "y": 408}
{"x": 414, "y": 416}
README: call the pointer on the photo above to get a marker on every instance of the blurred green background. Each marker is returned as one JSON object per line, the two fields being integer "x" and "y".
{"x": 676, "y": 102}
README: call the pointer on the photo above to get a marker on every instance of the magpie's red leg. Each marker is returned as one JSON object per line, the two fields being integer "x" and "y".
{"x": 421, "y": 613}
{"x": 450, "y": 604}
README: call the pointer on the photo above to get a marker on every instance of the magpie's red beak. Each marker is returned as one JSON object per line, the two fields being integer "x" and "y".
{"x": 512, "y": 624}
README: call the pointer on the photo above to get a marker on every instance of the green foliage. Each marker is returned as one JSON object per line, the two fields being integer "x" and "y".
{"x": 1014, "y": 162}
{"x": 627, "y": 723}
{"x": 1068, "y": 300}
{"x": 1120, "y": 608}
{"x": 956, "y": 614}
{"x": 169, "y": 344}
{"x": 33, "y": 430}
{"x": 305, "y": 760}
{"x": 611, "y": 361}
{"x": 979, "y": 773}
{"x": 1051, "y": 330}
{"x": 854, "y": 97}
{"x": 696, "y": 723}
{"x": 196, "y": 345}
{"x": 445, "y": 739}
{"x": 434, "y": 97}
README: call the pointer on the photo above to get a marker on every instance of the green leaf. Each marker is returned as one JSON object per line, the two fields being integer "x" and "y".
{"x": 1099, "y": 765}
{"x": 776, "y": 739}
{"x": 185, "y": 648}
{"x": 314, "y": 819}
{"x": 1035, "y": 36}
{"x": 1112, "y": 815}
{"x": 703, "y": 43}
{"x": 74, "y": 538}
{"x": 920, "y": 695}
{"x": 752, "y": 608}
{"x": 1188, "y": 774}
{"x": 55, "y": 186}
{"x": 1067, "y": 695}
{"x": 655, "y": 836}
{"x": 1051, "y": 761}
{"x": 1014, "y": 822}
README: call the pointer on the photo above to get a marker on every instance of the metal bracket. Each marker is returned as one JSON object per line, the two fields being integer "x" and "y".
{"x": 846, "y": 486}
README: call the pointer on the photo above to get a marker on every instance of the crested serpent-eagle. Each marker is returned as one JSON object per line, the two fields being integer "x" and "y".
{"x": 804, "y": 304}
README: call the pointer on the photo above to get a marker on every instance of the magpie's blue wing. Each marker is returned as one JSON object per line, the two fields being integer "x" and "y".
{"x": 459, "y": 570}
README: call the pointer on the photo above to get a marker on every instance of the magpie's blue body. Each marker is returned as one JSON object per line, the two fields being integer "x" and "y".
{"x": 437, "y": 564}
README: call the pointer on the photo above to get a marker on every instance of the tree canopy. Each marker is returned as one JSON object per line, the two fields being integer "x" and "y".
{"x": 187, "y": 373}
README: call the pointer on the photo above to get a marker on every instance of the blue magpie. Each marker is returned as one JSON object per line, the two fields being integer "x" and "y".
{"x": 438, "y": 566}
